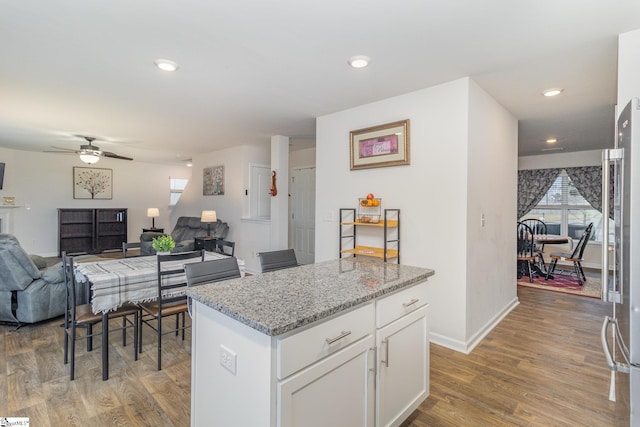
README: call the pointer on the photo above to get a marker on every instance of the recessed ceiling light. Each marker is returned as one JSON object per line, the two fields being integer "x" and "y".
{"x": 551, "y": 141}
{"x": 359, "y": 61}
{"x": 553, "y": 91}
{"x": 166, "y": 65}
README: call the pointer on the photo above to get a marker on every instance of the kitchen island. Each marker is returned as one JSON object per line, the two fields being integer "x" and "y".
{"x": 340, "y": 343}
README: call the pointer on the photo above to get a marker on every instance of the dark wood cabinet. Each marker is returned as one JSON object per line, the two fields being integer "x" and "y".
{"x": 91, "y": 230}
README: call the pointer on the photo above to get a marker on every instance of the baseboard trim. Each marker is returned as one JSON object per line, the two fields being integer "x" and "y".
{"x": 468, "y": 346}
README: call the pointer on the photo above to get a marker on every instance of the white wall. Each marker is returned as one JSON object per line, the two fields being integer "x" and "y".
{"x": 562, "y": 160}
{"x": 628, "y": 68}
{"x": 43, "y": 182}
{"x": 249, "y": 236}
{"x": 300, "y": 158}
{"x": 432, "y": 194}
{"x": 492, "y": 196}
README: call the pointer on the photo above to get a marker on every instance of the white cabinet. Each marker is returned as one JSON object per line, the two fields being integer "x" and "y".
{"x": 403, "y": 368}
{"x": 367, "y": 367}
{"x": 403, "y": 354}
{"x": 337, "y": 391}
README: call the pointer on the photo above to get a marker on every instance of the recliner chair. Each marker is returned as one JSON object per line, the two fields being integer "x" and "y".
{"x": 184, "y": 233}
{"x": 28, "y": 293}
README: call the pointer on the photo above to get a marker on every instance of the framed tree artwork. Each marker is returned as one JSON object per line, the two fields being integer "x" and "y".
{"x": 92, "y": 183}
{"x": 213, "y": 181}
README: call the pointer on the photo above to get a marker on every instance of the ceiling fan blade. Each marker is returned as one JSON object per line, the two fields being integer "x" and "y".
{"x": 115, "y": 156}
{"x": 61, "y": 150}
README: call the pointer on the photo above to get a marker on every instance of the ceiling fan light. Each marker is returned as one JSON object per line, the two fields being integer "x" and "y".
{"x": 90, "y": 156}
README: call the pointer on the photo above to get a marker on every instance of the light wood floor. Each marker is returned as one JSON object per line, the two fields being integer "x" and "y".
{"x": 542, "y": 366}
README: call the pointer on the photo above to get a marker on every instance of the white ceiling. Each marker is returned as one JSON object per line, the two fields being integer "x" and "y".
{"x": 251, "y": 69}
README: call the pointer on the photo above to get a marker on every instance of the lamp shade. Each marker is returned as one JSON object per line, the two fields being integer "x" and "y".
{"x": 208, "y": 216}
{"x": 153, "y": 212}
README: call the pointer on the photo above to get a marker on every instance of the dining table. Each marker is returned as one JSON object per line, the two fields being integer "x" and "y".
{"x": 110, "y": 283}
{"x": 550, "y": 239}
{"x": 547, "y": 239}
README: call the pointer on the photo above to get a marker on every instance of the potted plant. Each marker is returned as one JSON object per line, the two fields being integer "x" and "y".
{"x": 163, "y": 244}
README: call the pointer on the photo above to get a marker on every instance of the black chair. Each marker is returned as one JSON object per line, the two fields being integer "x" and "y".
{"x": 215, "y": 270}
{"x": 226, "y": 247}
{"x": 538, "y": 227}
{"x": 126, "y": 246}
{"x": 575, "y": 257}
{"x": 79, "y": 315}
{"x": 526, "y": 256}
{"x": 277, "y": 260}
{"x": 171, "y": 277}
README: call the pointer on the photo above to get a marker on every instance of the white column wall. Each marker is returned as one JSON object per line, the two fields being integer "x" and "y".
{"x": 432, "y": 194}
{"x": 280, "y": 203}
{"x": 491, "y": 213}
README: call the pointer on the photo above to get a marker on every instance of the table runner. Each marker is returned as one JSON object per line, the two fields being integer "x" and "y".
{"x": 115, "y": 282}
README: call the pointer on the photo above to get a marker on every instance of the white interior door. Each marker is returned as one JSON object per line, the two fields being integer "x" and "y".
{"x": 303, "y": 213}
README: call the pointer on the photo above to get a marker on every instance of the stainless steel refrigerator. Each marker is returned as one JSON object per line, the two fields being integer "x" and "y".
{"x": 621, "y": 252}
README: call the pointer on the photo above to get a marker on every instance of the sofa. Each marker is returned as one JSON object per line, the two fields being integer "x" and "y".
{"x": 29, "y": 291}
{"x": 184, "y": 233}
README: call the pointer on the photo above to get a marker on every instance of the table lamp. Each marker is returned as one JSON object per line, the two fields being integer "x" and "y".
{"x": 208, "y": 217}
{"x": 153, "y": 213}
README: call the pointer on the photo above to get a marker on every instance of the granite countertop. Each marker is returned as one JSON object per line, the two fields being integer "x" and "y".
{"x": 280, "y": 301}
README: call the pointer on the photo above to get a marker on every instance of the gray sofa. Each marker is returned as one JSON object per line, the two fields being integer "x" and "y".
{"x": 184, "y": 233}
{"x": 29, "y": 292}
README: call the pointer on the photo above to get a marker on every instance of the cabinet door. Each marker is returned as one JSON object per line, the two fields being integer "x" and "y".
{"x": 336, "y": 391}
{"x": 403, "y": 367}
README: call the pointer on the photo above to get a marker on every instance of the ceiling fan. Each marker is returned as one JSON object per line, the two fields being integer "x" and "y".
{"x": 89, "y": 153}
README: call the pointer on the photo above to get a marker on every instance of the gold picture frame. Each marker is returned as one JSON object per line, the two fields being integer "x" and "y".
{"x": 380, "y": 146}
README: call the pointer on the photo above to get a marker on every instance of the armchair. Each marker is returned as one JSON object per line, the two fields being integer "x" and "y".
{"x": 29, "y": 293}
{"x": 184, "y": 233}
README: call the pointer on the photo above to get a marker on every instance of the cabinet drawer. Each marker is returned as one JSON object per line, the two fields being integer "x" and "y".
{"x": 400, "y": 303}
{"x": 304, "y": 348}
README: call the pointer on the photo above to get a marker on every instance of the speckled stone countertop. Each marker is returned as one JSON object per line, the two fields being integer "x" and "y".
{"x": 280, "y": 301}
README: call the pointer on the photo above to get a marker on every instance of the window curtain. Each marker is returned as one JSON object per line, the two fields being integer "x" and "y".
{"x": 533, "y": 184}
{"x": 588, "y": 182}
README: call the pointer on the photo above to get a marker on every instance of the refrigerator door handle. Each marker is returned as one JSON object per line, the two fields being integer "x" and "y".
{"x": 605, "y": 227}
{"x": 613, "y": 365}
{"x": 608, "y": 156}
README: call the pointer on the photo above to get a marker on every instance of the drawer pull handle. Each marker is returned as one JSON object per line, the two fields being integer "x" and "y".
{"x": 410, "y": 303}
{"x": 339, "y": 337}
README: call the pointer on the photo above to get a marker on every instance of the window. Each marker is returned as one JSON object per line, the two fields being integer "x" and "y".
{"x": 176, "y": 187}
{"x": 566, "y": 212}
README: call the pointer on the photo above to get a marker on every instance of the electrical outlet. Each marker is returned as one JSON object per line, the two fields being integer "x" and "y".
{"x": 228, "y": 359}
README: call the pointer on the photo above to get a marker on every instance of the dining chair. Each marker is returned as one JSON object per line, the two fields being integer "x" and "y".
{"x": 225, "y": 247}
{"x": 538, "y": 227}
{"x": 127, "y": 246}
{"x": 575, "y": 257}
{"x": 79, "y": 315}
{"x": 525, "y": 250}
{"x": 215, "y": 270}
{"x": 170, "y": 297}
{"x": 277, "y": 260}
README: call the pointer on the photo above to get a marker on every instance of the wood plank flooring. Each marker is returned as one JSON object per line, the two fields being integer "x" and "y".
{"x": 542, "y": 366}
